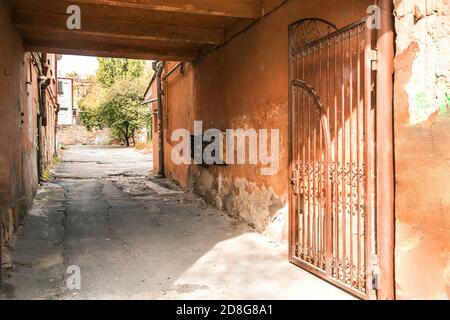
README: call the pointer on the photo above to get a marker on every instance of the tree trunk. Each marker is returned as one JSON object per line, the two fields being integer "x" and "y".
{"x": 127, "y": 136}
{"x": 134, "y": 139}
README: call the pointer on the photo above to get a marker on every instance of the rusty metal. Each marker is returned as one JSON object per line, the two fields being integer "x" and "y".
{"x": 332, "y": 153}
{"x": 1, "y": 244}
{"x": 179, "y": 65}
{"x": 385, "y": 155}
{"x": 306, "y": 31}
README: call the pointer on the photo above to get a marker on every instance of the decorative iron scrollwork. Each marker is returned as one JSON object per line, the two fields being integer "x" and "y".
{"x": 351, "y": 174}
{"x": 306, "y": 31}
{"x": 310, "y": 173}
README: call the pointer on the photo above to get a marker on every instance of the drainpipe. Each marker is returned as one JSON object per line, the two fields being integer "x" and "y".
{"x": 57, "y": 105}
{"x": 385, "y": 152}
{"x": 44, "y": 82}
{"x": 158, "y": 67}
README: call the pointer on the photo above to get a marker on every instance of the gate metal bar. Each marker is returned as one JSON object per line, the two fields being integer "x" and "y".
{"x": 332, "y": 152}
{"x": 1, "y": 244}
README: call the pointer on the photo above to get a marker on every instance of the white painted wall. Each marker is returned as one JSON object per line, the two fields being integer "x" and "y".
{"x": 65, "y": 115}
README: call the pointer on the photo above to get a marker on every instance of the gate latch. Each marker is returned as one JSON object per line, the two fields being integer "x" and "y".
{"x": 374, "y": 59}
{"x": 375, "y": 273}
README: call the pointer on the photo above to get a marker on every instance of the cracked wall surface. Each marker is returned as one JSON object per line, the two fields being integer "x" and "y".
{"x": 12, "y": 142}
{"x": 259, "y": 206}
{"x": 20, "y": 147}
{"x": 244, "y": 85}
{"x": 422, "y": 151}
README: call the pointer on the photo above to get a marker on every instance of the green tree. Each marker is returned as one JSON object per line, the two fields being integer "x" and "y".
{"x": 114, "y": 100}
{"x": 111, "y": 69}
{"x": 90, "y": 107}
{"x": 117, "y": 107}
{"x": 121, "y": 109}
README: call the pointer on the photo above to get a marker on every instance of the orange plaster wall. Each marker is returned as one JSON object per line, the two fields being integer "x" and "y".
{"x": 245, "y": 85}
{"x": 422, "y": 150}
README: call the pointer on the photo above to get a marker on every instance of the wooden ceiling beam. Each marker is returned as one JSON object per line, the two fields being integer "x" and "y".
{"x": 111, "y": 40}
{"x": 89, "y": 48}
{"x": 248, "y": 9}
{"x": 118, "y": 29}
{"x": 90, "y": 11}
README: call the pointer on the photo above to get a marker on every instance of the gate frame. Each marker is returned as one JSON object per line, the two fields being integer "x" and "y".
{"x": 385, "y": 175}
{"x": 384, "y": 157}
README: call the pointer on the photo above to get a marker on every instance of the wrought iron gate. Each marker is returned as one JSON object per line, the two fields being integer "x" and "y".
{"x": 332, "y": 153}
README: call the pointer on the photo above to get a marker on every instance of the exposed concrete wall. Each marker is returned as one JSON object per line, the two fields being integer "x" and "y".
{"x": 245, "y": 85}
{"x": 422, "y": 152}
{"x": 19, "y": 108}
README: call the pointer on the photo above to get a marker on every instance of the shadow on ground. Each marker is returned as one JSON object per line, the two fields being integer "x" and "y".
{"x": 140, "y": 238}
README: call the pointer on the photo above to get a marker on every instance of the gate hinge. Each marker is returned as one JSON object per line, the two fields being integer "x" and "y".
{"x": 374, "y": 59}
{"x": 375, "y": 273}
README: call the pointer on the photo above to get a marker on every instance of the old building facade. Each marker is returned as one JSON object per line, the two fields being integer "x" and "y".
{"x": 66, "y": 101}
{"x": 28, "y": 108}
{"x": 360, "y": 194}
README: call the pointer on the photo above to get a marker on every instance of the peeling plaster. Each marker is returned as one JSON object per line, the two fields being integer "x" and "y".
{"x": 425, "y": 22}
{"x": 427, "y": 94}
{"x": 259, "y": 206}
{"x": 422, "y": 126}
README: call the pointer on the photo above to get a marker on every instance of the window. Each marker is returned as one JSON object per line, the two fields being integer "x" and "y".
{"x": 60, "y": 87}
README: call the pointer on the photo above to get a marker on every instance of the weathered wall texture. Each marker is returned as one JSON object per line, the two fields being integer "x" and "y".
{"x": 48, "y": 109}
{"x": 77, "y": 134}
{"x": 12, "y": 190}
{"x": 245, "y": 85}
{"x": 422, "y": 150}
{"x": 19, "y": 109}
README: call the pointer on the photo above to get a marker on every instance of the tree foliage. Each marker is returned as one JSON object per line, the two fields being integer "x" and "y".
{"x": 122, "y": 111}
{"x": 110, "y": 69}
{"x": 74, "y": 75}
{"x": 90, "y": 107}
{"x": 114, "y": 101}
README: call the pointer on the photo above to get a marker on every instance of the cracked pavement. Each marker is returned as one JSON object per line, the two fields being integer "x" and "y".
{"x": 136, "y": 237}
